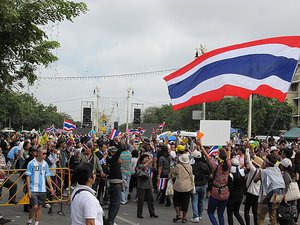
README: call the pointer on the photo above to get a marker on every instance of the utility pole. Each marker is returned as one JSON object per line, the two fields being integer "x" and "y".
{"x": 96, "y": 91}
{"x": 129, "y": 93}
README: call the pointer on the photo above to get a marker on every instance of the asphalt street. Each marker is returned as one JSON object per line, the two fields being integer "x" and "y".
{"x": 126, "y": 215}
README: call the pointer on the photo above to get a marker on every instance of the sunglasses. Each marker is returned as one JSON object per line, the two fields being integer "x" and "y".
{"x": 44, "y": 153}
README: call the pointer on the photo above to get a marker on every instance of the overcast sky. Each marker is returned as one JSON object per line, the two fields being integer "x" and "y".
{"x": 130, "y": 36}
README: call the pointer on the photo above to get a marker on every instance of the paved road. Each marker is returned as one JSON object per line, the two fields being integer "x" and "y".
{"x": 126, "y": 216}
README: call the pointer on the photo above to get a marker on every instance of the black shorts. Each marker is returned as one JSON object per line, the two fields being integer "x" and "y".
{"x": 38, "y": 198}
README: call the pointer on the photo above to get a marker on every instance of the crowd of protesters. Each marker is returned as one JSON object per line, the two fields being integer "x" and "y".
{"x": 134, "y": 168}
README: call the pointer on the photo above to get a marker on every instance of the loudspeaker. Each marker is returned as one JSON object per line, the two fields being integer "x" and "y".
{"x": 116, "y": 125}
{"x": 87, "y": 115}
{"x": 137, "y": 116}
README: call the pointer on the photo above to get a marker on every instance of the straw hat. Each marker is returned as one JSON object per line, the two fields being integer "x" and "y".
{"x": 184, "y": 159}
{"x": 258, "y": 161}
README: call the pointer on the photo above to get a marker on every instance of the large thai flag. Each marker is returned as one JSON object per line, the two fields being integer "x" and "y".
{"x": 69, "y": 126}
{"x": 264, "y": 67}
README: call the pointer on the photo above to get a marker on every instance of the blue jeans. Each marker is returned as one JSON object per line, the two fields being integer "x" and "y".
{"x": 198, "y": 201}
{"x": 115, "y": 198}
{"x": 214, "y": 204}
{"x": 125, "y": 188}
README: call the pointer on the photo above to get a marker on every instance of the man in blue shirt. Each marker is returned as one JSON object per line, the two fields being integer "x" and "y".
{"x": 12, "y": 155}
{"x": 37, "y": 174}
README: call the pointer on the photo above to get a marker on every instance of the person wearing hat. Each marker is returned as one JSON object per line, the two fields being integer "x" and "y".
{"x": 202, "y": 173}
{"x": 180, "y": 149}
{"x": 275, "y": 152}
{"x": 252, "y": 188}
{"x": 287, "y": 172}
{"x": 272, "y": 184}
{"x": 182, "y": 187}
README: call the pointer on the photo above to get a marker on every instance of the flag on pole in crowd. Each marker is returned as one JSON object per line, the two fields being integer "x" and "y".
{"x": 136, "y": 140}
{"x": 50, "y": 129}
{"x": 114, "y": 133}
{"x": 162, "y": 183}
{"x": 141, "y": 130}
{"x": 161, "y": 126}
{"x": 69, "y": 126}
{"x": 151, "y": 174}
{"x": 264, "y": 67}
{"x": 214, "y": 150}
{"x": 136, "y": 131}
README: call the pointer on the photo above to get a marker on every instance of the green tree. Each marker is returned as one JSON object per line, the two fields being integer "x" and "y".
{"x": 23, "y": 42}
{"x": 24, "y": 110}
{"x": 264, "y": 112}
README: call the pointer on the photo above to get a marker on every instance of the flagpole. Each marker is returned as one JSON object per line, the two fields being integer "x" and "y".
{"x": 129, "y": 92}
{"x": 202, "y": 49}
{"x": 250, "y": 117}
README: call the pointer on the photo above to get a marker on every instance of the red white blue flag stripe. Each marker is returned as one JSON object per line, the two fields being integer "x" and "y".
{"x": 161, "y": 126}
{"x": 50, "y": 129}
{"x": 161, "y": 183}
{"x": 114, "y": 133}
{"x": 214, "y": 150}
{"x": 69, "y": 126}
{"x": 264, "y": 67}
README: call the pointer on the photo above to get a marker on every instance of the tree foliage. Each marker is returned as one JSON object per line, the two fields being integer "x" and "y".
{"x": 23, "y": 42}
{"x": 264, "y": 112}
{"x": 24, "y": 110}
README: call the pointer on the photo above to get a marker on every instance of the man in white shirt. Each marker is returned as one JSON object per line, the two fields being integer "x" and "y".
{"x": 252, "y": 188}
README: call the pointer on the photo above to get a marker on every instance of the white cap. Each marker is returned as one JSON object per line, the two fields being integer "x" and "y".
{"x": 273, "y": 148}
{"x": 286, "y": 162}
{"x": 196, "y": 154}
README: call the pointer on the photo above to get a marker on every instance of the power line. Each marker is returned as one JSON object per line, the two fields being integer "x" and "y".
{"x": 112, "y": 76}
{"x": 69, "y": 100}
{"x": 150, "y": 103}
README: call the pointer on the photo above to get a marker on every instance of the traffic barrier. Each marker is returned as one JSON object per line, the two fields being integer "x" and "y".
{"x": 18, "y": 177}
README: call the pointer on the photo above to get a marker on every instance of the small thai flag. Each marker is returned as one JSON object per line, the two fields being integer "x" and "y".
{"x": 214, "y": 150}
{"x": 69, "y": 126}
{"x": 114, "y": 133}
{"x": 131, "y": 131}
{"x": 50, "y": 129}
{"x": 161, "y": 126}
{"x": 162, "y": 183}
{"x": 151, "y": 174}
{"x": 136, "y": 140}
{"x": 142, "y": 131}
